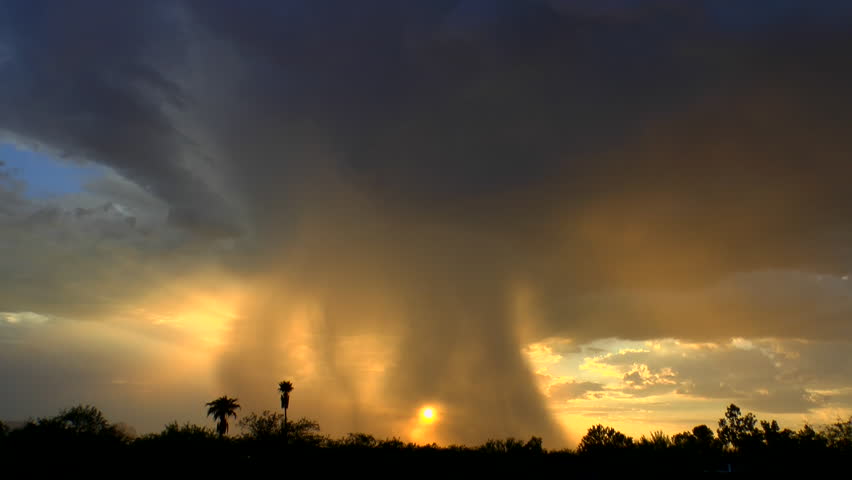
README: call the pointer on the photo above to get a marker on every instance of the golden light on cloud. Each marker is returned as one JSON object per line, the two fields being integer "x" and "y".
{"x": 175, "y": 333}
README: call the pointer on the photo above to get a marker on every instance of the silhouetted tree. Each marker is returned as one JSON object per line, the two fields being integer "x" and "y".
{"x": 187, "y": 431}
{"x": 600, "y": 438}
{"x": 221, "y": 409}
{"x": 697, "y": 449}
{"x": 513, "y": 446}
{"x": 198, "y": 446}
{"x": 704, "y": 435}
{"x": 391, "y": 444}
{"x": 4, "y": 429}
{"x": 493, "y": 446}
{"x": 808, "y": 439}
{"x": 270, "y": 426}
{"x": 776, "y": 438}
{"x": 263, "y": 426}
{"x": 78, "y": 421}
{"x": 180, "y": 436}
{"x": 75, "y": 433}
{"x": 683, "y": 440}
{"x": 534, "y": 445}
{"x": 84, "y": 419}
{"x": 839, "y": 434}
{"x": 738, "y": 430}
{"x": 762, "y": 446}
{"x": 285, "y": 387}
{"x": 304, "y": 432}
{"x": 360, "y": 440}
{"x": 657, "y": 441}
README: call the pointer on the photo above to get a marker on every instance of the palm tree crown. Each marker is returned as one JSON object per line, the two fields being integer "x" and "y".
{"x": 285, "y": 388}
{"x": 221, "y": 409}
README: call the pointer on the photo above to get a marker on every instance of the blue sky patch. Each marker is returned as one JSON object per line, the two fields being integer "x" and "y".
{"x": 44, "y": 175}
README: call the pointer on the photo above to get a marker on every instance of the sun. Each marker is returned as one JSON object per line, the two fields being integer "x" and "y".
{"x": 424, "y": 421}
{"x": 427, "y": 414}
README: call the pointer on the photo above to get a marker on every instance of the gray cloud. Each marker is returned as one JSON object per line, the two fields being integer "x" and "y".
{"x": 773, "y": 303}
{"x": 651, "y": 383}
{"x": 573, "y": 389}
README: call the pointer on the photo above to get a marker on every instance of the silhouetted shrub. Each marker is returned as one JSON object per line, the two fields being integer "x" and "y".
{"x": 264, "y": 426}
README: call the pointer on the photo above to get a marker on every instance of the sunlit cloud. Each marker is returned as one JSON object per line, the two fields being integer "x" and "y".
{"x": 673, "y": 381}
{"x": 23, "y": 318}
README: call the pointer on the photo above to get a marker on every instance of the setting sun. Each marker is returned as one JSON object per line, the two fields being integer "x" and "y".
{"x": 427, "y": 414}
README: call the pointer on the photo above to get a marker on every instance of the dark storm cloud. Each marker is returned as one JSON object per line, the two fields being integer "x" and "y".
{"x": 431, "y": 106}
{"x": 406, "y": 165}
{"x": 665, "y": 145}
{"x": 89, "y": 80}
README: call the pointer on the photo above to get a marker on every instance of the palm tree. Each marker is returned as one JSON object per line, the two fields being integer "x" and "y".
{"x": 221, "y": 408}
{"x": 285, "y": 387}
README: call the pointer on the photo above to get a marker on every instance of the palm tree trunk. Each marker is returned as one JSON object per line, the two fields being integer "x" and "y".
{"x": 285, "y": 427}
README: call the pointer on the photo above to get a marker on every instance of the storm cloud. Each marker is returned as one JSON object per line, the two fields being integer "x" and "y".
{"x": 457, "y": 178}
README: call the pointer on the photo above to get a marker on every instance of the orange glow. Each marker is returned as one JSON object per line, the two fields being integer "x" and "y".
{"x": 421, "y": 426}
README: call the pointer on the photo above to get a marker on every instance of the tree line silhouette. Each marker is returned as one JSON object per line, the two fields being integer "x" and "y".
{"x": 81, "y": 435}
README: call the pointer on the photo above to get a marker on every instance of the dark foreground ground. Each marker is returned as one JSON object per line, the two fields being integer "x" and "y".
{"x": 238, "y": 459}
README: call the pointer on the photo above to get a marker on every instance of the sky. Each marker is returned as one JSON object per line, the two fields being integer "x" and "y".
{"x": 530, "y": 216}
